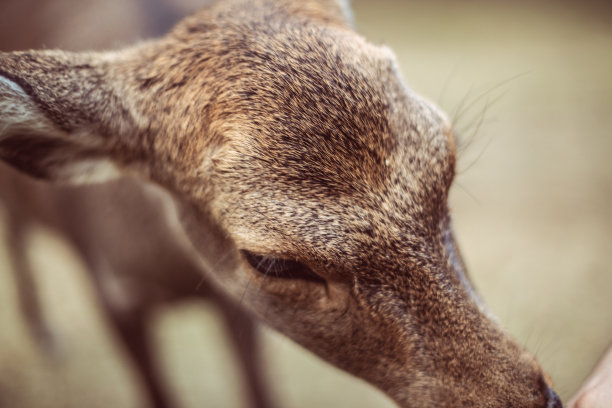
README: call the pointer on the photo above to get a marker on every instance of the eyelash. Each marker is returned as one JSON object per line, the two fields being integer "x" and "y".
{"x": 280, "y": 268}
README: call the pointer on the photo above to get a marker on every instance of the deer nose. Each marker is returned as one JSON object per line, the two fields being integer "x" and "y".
{"x": 553, "y": 400}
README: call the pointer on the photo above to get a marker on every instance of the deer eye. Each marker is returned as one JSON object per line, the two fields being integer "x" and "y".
{"x": 280, "y": 268}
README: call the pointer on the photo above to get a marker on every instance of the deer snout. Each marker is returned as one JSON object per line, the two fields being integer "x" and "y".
{"x": 547, "y": 398}
{"x": 553, "y": 399}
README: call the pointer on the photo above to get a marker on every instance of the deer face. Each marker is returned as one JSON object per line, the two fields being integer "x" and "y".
{"x": 311, "y": 181}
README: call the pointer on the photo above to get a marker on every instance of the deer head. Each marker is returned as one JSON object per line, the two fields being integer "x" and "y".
{"x": 311, "y": 182}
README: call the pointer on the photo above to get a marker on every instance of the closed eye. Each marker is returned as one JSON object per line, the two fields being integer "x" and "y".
{"x": 280, "y": 268}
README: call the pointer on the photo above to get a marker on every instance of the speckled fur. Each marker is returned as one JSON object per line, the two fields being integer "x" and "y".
{"x": 281, "y": 131}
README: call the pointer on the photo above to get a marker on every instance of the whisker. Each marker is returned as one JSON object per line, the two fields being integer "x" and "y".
{"x": 478, "y": 121}
{"x": 202, "y": 281}
{"x": 260, "y": 285}
{"x": 466, "y": 191}
{"x": 446, "y": 83}
{"x": 461, "y": 104}
{"x": 261, "y": 262}
{"x": 463, "y": 108}
{"x": 464, "y": 143}
{"x": 221, "y": 259}
{"x": 264, "y": 278}
{"x": 480, "y": 154}
{"x": 246, "y": 289}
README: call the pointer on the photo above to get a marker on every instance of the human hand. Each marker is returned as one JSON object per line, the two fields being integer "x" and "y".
{"x": 596, "y": 392}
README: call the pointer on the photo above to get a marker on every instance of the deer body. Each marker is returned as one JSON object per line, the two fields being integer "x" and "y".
{"x": 311, "y": 182}
{"x": 105, "y": 224}
{"x": 134, "y": 276}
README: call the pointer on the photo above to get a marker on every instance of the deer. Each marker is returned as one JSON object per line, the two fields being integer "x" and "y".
{"x": 133, "y": 277}
{"x": 309, "y": 181}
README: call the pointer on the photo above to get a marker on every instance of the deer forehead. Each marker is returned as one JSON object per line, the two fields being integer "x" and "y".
{"x": 350, "y": 149}
{"x": 325, "y": 189}
{"x": 300, "y": 97}
{"x": 318, "y": 133}
{"x": 319, "y": 102}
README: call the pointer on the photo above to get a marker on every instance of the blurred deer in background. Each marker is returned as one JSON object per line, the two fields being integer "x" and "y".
{"x": 134, "y": 276}
{"x": 106, "y": 224}
{"x": 311, "y": 183}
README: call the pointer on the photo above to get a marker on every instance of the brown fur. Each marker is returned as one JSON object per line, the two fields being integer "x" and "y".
{"x": 104, "y": 223}
{"x": 281, "y": 132}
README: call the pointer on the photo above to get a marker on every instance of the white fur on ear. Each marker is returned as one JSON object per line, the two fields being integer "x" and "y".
{"x": 11, "y": 85}
{"x": 347, "y": 11}
{"x": 89, "y": 171}
{"x": 19, "y": 112}
{"x": 20, "y": 117}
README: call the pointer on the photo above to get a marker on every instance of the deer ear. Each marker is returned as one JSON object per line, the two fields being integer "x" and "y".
{"x": 59, "y": 115}
{"x": 332, "y": 11}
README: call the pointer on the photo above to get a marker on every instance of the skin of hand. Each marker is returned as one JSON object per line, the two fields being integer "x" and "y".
{"x": 596, "y": 392}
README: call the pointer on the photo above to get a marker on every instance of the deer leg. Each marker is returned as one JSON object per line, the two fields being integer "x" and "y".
{"x": 131, "y": 324}
{"x": 132, "y": 330}
{"x": 243, "y": 332}
{"x": 29, "y": 302}
{"x": 128, "y": 311}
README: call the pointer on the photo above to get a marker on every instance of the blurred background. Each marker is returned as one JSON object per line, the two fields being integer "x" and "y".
{"x": 529, "y": 89}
